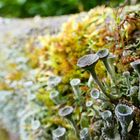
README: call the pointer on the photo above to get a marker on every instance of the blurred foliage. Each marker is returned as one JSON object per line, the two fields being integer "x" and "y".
{"x": 29, "y": 8}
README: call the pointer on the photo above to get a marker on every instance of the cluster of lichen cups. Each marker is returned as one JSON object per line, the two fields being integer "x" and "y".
{"x": 88, "y": 62}
{"x": 136, "y": 66}
{"x": 111, "y": 110}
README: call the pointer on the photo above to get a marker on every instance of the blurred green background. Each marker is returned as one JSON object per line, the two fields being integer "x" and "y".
{"x": 30, "y": 8}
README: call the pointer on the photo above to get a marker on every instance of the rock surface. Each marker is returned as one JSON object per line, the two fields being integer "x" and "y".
{"x": 10, "y": 28}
